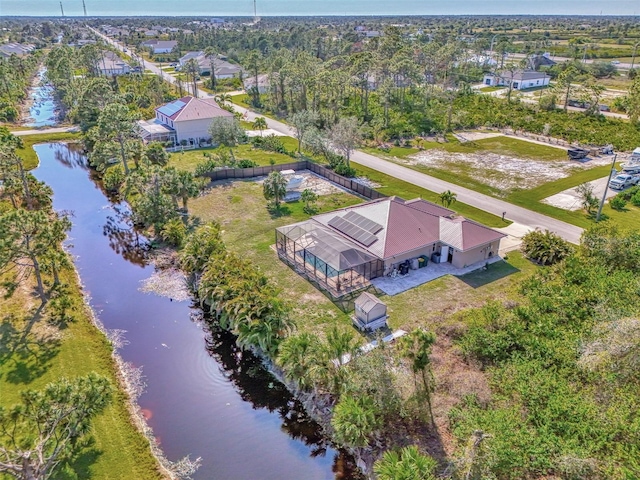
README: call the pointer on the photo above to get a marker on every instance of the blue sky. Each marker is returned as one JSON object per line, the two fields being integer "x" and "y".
{"x": 319, "y": 7}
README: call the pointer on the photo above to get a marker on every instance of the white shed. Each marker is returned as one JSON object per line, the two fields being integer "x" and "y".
{"x": 370, "y": 313}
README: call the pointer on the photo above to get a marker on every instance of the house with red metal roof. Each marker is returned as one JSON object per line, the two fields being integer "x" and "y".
{"x": 343, "y": 250}
{"x": 187, "y": 119}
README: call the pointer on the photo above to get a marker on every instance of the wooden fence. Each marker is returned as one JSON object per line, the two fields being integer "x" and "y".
{"x": 348, "y": 183}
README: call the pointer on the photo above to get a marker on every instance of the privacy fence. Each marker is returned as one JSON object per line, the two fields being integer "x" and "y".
{"x": 348, "y": 183}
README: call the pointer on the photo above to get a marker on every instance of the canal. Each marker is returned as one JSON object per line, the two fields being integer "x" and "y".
{"x": 204, "y": 397}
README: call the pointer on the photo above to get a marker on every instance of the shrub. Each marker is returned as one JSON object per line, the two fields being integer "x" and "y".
{"x": 629, "y": 193}
{"x": 271, "y": 143}
{"x": 174, "y": 232}
{"x": 618, "y": 203}
{"x": 345, "y": 170}
{"x": 113, "y": 179}
{"x": 545, "y": 247}
{"x": 636, "y": 199}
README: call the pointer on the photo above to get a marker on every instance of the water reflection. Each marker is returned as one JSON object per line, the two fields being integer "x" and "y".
{"x": 43, "y": 110}
{"x": 257, "y": 385}
{"x": 124, "y": 237}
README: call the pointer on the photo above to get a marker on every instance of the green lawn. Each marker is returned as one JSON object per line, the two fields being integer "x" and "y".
{"x": 491, "y": 89}
{"x": 249, "y": 229}
{"x": 189, "y": 159}
{"x": 433, "y": 305}
{"x": 29, "y": 155}
{"x": 241, "y": 100}
{"x": 118, "y": 450}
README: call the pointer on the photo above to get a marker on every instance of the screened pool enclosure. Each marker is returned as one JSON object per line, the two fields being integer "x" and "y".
{"x": 334, "y": 263}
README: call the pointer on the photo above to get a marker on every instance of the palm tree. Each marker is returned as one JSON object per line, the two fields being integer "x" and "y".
{"x": 223, "y": 97}
{"x": 447, "y": 198}
{"x": 260, "y": 124}
{"x": 192, "y": 68}
{"x": 416, "y": 347}
{"x": 406, "y": 464}
{"x": 210, "y": 53}
{"x": 296, "y": 356}
{"x": 354, "y": 421}
{"x": 275, "y": 188}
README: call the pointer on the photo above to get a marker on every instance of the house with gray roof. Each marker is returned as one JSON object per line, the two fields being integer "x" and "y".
{"x": 518, "y": 79}
{"x": 345, "y": 249}
{"x": 222, "y": 68}
{"x": 111, "y": 65}
{"x": 18, "y": 49}
{"x": 187, "y": 119}
{"x": 160, "y": 46}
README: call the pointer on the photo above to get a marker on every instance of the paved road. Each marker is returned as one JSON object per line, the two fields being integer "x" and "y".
{"x": 21, "y": 133}
{"x": 489, "y": 204}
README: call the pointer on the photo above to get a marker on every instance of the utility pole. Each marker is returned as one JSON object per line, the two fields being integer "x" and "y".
{"x": 61, "y": 9}
{"x": 606, "y": 188}
{"x": 84, "y": 7}
{"x": 633, "y": 57}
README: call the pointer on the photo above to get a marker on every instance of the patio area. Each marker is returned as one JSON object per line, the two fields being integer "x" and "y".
{"x": 396, "y": 285}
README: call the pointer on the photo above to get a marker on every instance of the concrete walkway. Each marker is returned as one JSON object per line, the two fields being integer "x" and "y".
{"x": 489, "y": 204}
{"x": 396, "y": 285}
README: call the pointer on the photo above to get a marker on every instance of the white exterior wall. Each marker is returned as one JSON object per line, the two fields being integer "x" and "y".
{"x": 491, "y": 79}
{"x": 536, "y": 82}
{"x": 195, "y": 129}
{"x": 162, "y": 50}
{"x": 463, "y": 259}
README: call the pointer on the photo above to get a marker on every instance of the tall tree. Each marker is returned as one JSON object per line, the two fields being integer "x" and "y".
{"x": 302, "y": 121}
{"x": 48, "y": 427}
{"x": 253, "y": 63}
{"x": 27, "y": 238}
{"x": 114, "y": 136}
{"x": 416, "y": 347}
{"x": 192, "y": 69}
{"x": 211, "y": 54}
{"x": 346, "y": 136}
{"x": 565, "y": 83}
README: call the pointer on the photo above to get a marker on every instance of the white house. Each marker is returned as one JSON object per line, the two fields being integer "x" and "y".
{"x": 187, "y": 119}
{"x": 160, "y": 46}
{"x": 111, "y": 64}
{"x": 264, "y": 83}
{"x": 519, "y": 79}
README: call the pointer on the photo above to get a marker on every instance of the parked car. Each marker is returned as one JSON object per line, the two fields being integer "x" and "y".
{"x": 623, "y": 181}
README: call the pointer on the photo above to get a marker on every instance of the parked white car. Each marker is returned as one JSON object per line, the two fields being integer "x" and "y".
{"x": 622, "y": 181}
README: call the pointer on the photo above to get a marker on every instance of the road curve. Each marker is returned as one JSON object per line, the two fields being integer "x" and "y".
{"x": 489, "y": 204}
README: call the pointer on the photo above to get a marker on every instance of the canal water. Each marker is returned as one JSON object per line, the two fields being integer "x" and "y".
{"x": 42, "y": 112}
{"x": 204, "y": 397}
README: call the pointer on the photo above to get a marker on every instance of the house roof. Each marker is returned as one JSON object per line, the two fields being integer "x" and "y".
{"x": 366, "y": 302}
{"x": 111, "y": 61}
{"x": 523, "y": 75}
{"x": 160, "y": 43}
{"x": 405, "y": 226}
{"x": 190, "y": 108}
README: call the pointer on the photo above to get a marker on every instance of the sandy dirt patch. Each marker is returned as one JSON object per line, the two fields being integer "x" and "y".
{"x": 473, "y": 136}
{"x": 502, "y": 172}
{"x": 316, "y": 183}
